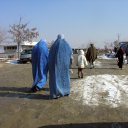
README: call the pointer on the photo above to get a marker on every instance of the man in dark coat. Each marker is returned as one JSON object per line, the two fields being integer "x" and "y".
{"x": 91, "y": 55}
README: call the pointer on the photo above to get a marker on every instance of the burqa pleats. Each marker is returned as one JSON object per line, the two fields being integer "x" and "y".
{"x": 40, "y": 64}
{"x": 59, "y": 63}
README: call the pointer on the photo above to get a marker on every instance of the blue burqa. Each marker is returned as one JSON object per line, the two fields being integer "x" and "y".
{"x": 40, "y": 64}
{"x": 59, "y": 63}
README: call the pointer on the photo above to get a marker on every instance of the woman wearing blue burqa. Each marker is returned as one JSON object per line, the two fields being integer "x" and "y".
{"x": 39, "y": 65}
{"x": 59, "y": 63}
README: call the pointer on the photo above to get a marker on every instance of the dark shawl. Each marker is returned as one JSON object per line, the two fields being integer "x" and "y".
{"x": 120, "y": 54}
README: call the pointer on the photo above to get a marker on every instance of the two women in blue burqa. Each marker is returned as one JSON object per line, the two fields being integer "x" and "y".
{"x": 39, "y": 65}
{"x": 59, "y": 63}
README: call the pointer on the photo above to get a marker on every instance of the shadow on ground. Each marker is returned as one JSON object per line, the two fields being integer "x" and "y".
{"x": 23, "y": 92}
{"x": 98, "y": 68}
{"x": 90, "y": 125}
{"x": 22, "y": 89}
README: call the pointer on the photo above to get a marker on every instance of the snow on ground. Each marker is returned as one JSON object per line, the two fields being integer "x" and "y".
{"x": 105, "y": 57}
{"x": 110, "y": 57}
{"x": 97, "y": 90}
{"x": 12, "y": 62}
{"x": 101, "y": 89}
{"x": 105, "y": 89}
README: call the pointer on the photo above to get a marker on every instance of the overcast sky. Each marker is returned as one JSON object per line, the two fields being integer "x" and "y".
{"x": 81, "y": 21}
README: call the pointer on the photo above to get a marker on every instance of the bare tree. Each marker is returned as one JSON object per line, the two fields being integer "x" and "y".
{"x": 21, "y": 32}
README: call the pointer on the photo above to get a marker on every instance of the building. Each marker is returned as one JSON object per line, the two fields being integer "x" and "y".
{"x": 9, "y": 50}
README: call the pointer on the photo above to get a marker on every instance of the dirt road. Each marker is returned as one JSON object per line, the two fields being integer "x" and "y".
{"x": 20, "y": 109}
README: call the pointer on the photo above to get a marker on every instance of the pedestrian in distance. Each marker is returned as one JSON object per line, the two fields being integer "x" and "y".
{"x": 120, "y": 56}
{"x": 91, "y": 55}
{"x": 81, "y": 63}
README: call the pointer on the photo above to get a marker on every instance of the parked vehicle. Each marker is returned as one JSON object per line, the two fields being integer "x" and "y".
{"x": 26, "y": 56}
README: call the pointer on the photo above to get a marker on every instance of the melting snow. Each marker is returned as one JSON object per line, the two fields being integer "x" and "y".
{"x": 105, "y": 89}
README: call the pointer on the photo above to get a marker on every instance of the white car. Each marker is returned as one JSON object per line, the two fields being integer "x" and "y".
{"x": 26, "y": 56}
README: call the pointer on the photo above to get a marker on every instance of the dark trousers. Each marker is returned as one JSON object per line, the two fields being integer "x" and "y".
{"x": 120, "y": 62}
{"x": 80, "y": 72}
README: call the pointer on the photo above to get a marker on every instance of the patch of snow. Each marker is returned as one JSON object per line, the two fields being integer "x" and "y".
{"x": 105, "y": 89}
{"x": 104, "y": 56}
{"x": 12, "y": 62}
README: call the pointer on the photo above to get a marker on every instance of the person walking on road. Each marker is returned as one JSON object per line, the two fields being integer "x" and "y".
{"x": 39, "y": 65}
{"x": 91, "y": 55}
{"x": 59, "y": 64}
{"x": 81, "y": 63}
